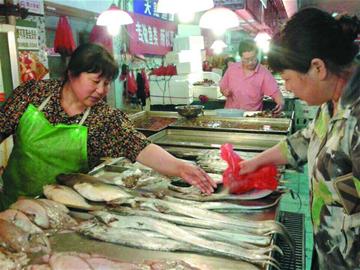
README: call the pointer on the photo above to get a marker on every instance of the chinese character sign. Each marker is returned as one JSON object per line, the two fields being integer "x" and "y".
{"x": 27, "y": 38}
{"x": 148, "y": 8}
{"x": 34, "y": 6}
{"x": 148, "y": 35}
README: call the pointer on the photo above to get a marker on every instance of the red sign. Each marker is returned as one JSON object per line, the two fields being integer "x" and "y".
{"x": 2, "y": 97}
{"x": 148, "y": 35}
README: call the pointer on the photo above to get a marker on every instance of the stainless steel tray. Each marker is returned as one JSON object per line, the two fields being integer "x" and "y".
{"x": 150, "y": 122}
{"x": 241, "y": 124}
{"x": 75, "y": 242}
{"x": 214, "y": 139}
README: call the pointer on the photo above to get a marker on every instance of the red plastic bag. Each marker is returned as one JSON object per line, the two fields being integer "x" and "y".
{"x": 64, "y": 41}
{"x": 146, "y": 82}
{"x": 263, "y": 178}
{"x": 131, "y": 83}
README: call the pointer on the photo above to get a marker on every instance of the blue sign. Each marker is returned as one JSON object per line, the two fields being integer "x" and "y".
{"x": 148, "y": 8}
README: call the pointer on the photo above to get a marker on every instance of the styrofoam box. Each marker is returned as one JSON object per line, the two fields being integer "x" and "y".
{"x": 183, "y": 57}
{"x": 189, "y": 67}
{"x": 170, "y": 100}
{"x": 211, "y": 76}
{"x": 212, "y": 92}
{"x": 188, "y": 43}
{"x": 185, "y": 30}
{"x": 174, "y": 87}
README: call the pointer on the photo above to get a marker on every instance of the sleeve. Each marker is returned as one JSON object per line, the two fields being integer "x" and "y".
{"x": 122, "y": 139}
{"x": 295, "y": 147}
{"x": 270, "y": 86}
{"x": 13, "y": 109}
{"x": 355, "y": 153}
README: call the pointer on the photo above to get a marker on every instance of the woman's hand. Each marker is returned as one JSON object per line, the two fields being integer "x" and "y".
{"x": 197, "y": 177}
{"x": 248, "y": 166}
{"x": 278, "y": 108}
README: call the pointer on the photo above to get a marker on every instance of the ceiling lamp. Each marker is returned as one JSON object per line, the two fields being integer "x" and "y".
{"x": 219, "y": 19}
{"x": 262, "y": 40}
{"x": 218, "y": 46}
{"x": 181, "y": 6}
{"x": 113, "y": 18}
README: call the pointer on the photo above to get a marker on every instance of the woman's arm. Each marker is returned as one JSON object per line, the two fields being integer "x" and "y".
{"x": 158, "y": 159}
{"x": 274, "y": 155}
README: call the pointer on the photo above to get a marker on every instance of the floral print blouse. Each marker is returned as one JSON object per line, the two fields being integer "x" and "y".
{"x": 110, "y": 132}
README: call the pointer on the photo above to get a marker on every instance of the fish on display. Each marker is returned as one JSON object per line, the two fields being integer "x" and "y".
{"x": 20, "y": 220}
{"x": 100, "y": 192}
{"x": 34, "y": 210}
{"x": 67, "y": 196}
{"x": 15, "y": 239}
{"x": 12, "y": 261}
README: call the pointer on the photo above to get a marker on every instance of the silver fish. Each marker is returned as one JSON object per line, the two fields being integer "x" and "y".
{"x": 176, "y": 233}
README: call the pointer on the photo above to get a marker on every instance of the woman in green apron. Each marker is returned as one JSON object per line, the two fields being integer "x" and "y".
{"x": 315, "y": 55}
{"x": 66, "y": 126}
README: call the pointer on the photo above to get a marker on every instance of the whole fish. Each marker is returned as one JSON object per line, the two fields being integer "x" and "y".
{"x": 34, "y": 210}
{"x": 66, "y": 196}
{"x": 12, "y": 261}
{"x": 179, "y": 234}
{"x": 100, "y": 192}
{"x": 133, "y": 238}
{"x": 20, "y": 220}
{"x": 57, "y": 217}
{"x": 15, "y": 239}
{"x": 74, "y": 178}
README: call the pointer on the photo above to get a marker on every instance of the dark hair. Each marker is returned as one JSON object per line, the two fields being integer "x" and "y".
{"x": 313, "y": 33}
{"x": 247, "y": 45}
{"x": 92, "y": 58}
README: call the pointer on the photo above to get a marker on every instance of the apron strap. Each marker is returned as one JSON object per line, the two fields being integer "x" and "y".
{"x": 43, "y": 104}
{"x": 86, "y": 114}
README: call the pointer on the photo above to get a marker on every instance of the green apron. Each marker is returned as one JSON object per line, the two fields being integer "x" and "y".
{"x": 41, "y": 152}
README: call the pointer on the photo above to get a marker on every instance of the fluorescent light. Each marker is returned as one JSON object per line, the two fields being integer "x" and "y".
{"x": 177, "y": 6}
{"x": 113, "y": 18}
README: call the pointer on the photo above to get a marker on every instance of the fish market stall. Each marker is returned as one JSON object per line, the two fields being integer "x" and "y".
{"x": 214, "y": 139}
{"x": 151, "y": 122}
{"x": 253, "y": 207}
{"x": 238, "y": 124}
{"x": 131, "y": 213}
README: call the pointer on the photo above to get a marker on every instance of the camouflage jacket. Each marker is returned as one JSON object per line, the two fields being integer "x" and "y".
{"x": 331, "y": 147}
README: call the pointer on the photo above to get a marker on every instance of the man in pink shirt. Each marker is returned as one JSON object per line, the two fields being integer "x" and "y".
{"x": 244, "y": 84}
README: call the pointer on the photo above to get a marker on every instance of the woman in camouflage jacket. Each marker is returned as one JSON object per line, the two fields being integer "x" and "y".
{"x": 315, "y": 55}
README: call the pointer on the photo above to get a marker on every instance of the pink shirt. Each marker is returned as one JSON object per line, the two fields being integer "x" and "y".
{"x": 248, "y": 90}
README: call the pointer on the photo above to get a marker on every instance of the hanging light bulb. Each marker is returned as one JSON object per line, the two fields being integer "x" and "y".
{"x": 177, "y": 6}
{"x": 262, "y": 40}
{"x": 113, "y": 18}
{"x": 218, "y": 46}
{"x": 219, "y": 19}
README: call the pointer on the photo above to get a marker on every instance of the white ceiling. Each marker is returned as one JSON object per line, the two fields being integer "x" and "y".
{"x": 97, "y": 6}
